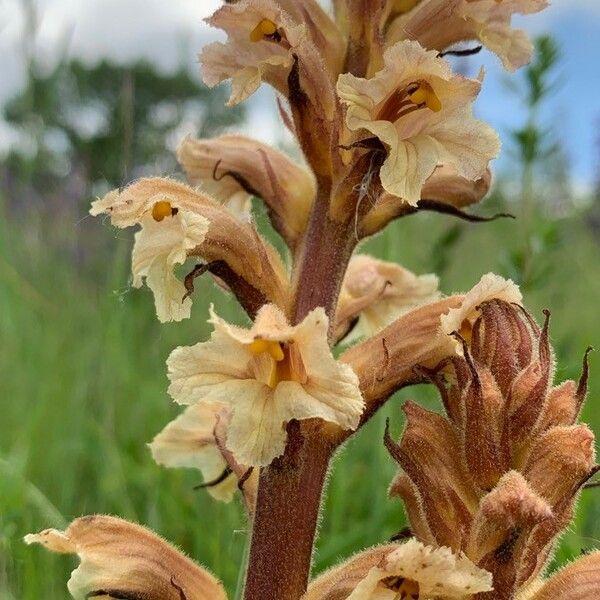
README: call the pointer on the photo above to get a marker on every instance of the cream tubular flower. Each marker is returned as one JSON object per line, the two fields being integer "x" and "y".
{"x": 177, "y": 222}
{"x": 169, "y": 231}
{"x": 437, "y": 24}
{"x": 377, "y": 292}
{"x": 232, "y": 168}
{"x": 268, "y": 375}
{"x": 263, "y": 37}
{"x": 260, "y": 38}
{"x": 414, "y": 571}
{"x": 123, "y": 560}
{"x": 189, "y": 441}
{"x": 421, "y": 112}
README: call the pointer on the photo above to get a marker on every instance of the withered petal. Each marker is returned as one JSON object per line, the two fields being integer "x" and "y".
{"x": 125, "y": 558}
{"x": 338, "y": 582}
{"x": 580, "y": 580}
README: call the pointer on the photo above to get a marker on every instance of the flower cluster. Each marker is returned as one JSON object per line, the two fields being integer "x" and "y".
{"x": 386, "y": 129}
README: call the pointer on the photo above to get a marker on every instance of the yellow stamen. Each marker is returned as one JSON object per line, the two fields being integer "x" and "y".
{"x": 282, "y": 368}
{"x": 273, "y": 349}
{"x": 424, "y": 94}
{"x": 264, "y": 29}
{"x": 162, "y": 209}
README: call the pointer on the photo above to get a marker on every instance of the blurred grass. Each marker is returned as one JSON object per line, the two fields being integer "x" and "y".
{"x": 83, "y": 388}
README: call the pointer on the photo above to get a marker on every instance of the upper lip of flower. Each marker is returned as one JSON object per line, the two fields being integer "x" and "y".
{"x": 415, "y": 95}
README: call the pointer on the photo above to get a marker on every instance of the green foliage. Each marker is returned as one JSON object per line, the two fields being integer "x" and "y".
{"x": 82, "y": 365}
{"x": 107, "y": 122}
{"x": 540, "y": 177}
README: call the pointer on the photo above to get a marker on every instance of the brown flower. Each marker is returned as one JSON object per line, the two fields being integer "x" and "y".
{"x": 498, "y": 476}
{"x": 123, "y": 560}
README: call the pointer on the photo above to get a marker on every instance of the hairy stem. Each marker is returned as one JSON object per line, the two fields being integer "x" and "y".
{"x": 287, "y": 510}
{"x": 322, "y": 261}
{"x": 290, "y": 488}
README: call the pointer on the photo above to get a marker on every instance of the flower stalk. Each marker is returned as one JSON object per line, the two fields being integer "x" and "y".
{"x": 285, "y": 522}
{"x": 386, "y": 128}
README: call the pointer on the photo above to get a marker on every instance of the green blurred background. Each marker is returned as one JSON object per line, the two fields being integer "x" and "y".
{"x": 82, "y": 357}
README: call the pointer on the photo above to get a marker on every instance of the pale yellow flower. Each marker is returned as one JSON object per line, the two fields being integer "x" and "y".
{"x": 190, "y": 441}
{"x": 263, "y": 37}
{"x": 124, "y": 560}
{"x": 260, "y": 37}
{"x": 490, "y": 287}
{"x": 409, "y": 571}
{"x": 178, "y": 222}
{"x": 170, "y": 229}
{"x": 378, "y": 292}
{"x": 421, "y": 111}
{"x": 438, "y": 24}
{"x": 418, "y": 572}
{"x": 268, "y": 375}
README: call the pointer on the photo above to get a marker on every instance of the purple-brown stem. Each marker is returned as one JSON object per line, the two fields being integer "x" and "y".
{"x": 285, "y": 521}
{"x": 322, "y": 261}
{"x": 290, "y": 488}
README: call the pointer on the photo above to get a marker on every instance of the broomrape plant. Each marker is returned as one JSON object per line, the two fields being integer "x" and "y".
{"x": 386, "y": 129}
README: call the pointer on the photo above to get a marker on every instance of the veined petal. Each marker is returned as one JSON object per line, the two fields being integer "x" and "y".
{"x": 377, "y": 292}
{"x": 268, "y": 375}
{"x": 159, "y": 247}
{"x": 256, "y": 433}
{"x": 123, "y": 560}
{"x": 438, "y": 24}
{"x": 232, "y": 167}
{"x": 421, "y": 111}
{"x": 189, "y": 441}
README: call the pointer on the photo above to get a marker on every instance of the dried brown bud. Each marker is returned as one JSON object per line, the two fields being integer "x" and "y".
{"x": 561, "y": 459}
{"x": 498, "y": 477}
{"x": 580, "y": 580}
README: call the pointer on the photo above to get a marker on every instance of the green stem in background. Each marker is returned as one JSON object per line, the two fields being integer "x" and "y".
{"x": 239, "y": 586}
